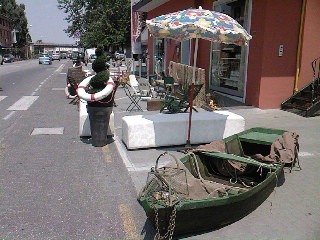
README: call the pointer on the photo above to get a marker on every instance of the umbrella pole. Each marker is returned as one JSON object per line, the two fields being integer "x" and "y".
{"x": 195, "y": 54}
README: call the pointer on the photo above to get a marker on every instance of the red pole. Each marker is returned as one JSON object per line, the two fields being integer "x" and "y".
{"x": 190, "y": 114}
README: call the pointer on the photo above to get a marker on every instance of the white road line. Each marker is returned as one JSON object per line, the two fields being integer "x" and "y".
{"x": 63, "y": 73}
{"x": 2, "y": 97}
{"x": 120, "y": 98}
{"x": 9, "y": 115}
{"x": 59, "y": 68}
{"x": 305, "y": 154}
{"x": 58, "y": 89}
{"x": 124, "y": 155}
{"x": 23, "y": 103}
{"x": 48, "y": 131}
{"x": 132, "y": 111}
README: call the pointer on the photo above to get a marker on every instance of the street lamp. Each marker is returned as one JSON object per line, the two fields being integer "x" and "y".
{"x": 27, "y": 42}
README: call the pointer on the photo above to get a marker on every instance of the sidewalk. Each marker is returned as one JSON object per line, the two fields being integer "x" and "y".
{"x": 294, "y": 211}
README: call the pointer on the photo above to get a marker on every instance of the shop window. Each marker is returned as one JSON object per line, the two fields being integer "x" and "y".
{"x": 228, "y": 61}
{"x": 159, "y": 56}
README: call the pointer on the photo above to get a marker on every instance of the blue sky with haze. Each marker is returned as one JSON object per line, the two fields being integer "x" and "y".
{"x": 47, "y": 21}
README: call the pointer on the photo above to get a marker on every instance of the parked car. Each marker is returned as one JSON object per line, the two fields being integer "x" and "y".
{"x": 88, "y": 52}
{"x": 56, "y": 56}
{"x": 120, "y": 56}
{"x": 8, "y": 58}
{"x": 45, "y": 59}
{"x": 81, "y": 55}
{"x": 74, "y": 57}
{"x": 92, "y": 58}
{"x": 1, "y": 59}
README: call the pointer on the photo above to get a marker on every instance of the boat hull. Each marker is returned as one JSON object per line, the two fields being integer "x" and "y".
{"x": 209, "y": 214}
{"x": 214, "y": 213}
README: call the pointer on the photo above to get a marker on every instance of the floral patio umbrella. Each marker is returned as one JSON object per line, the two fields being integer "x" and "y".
{"x": 198, "y": 23}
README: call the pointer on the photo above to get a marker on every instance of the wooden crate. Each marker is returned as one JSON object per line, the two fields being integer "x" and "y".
{"x": 154, "y": 104}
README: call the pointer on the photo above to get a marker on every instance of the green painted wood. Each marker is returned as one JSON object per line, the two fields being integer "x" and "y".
{"x": 259, "y": 137}
{"x": 247, "y": 160}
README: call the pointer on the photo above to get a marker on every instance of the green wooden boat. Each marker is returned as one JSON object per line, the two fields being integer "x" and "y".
{"x": 243, "y": 195}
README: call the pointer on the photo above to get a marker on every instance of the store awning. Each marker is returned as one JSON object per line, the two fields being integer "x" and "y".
{"x": 147, "y": 5}
{"x": 144, "y": 37}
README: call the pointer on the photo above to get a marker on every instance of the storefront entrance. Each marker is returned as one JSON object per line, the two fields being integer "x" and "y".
{"x": 159, "y": 56}
{"x": 229, "y": 61}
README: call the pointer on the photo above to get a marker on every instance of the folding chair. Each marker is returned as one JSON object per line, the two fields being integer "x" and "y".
{"x": 134, "y": 96}
{"x": 180, "y": 101}
{"x": 133, "y": 82}
{"x": 145, "y": 89}
{"x": 74, "y": 77}
{"x": 166, "y": 88}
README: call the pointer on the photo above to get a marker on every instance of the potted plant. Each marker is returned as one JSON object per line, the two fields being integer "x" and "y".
{"x": 100, "y": 91}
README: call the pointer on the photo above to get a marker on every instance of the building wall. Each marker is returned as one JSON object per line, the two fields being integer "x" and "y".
{"x": 311, "y": 41}
{"x": 270, "y": 77}
{"x": 5, "y": 32}
{"x": 168, "y": 7}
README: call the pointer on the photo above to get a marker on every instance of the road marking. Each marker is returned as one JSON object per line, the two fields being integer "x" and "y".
{"x": 47, "y": 131}
{"x": 107, "y": 154}
{"x": 23, "y": 103}
{"x": 120, "y": 98}
{"x": 128, "y": 222}
{"x": 59, "y": 68}
{"x": 9, "y": 115}
{"x": 63, "y": 73}
{"x": 58, "y": 89}
{"x": 305, "y": 154}
{"x": 127, "y": 111}
{"x": 2, "y": 97}
{"x": 124, "y": 155}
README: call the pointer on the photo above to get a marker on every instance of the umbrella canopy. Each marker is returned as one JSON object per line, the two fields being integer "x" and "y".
{"x": 198, "y": 23}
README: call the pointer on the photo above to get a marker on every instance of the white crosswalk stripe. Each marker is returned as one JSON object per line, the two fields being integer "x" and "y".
{"x": 47, "y": 131}
{"x": 23, "y": 103}
{"x": 2, "y": 97}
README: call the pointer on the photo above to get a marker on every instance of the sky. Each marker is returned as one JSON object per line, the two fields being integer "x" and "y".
{"x": 47, "y": 21}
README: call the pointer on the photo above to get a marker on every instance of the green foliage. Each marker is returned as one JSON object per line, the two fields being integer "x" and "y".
{"x": 99, "y": 64}
{"x": 105, "y": 22}
{"x": 12, "y": 10}
{"x": 99, "y": 51}
{"x": 98, "y": 82}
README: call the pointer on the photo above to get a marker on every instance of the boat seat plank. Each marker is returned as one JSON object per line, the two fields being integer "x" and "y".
{"x": 241, "y": 159}
{"x": 259, "y": 137}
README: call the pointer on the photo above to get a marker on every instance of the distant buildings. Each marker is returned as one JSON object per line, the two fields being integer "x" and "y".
{"x": 42, "y": 47}
{"x": 7, "y": 34}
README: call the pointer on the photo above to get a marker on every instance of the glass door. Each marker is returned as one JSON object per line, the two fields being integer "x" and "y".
{"x": 229, "y": 61}
{"x": 159, "y": 56}
{"x": 185, "y": 52}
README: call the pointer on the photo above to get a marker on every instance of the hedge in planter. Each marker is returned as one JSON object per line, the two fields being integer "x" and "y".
{"x": 99, "y": 111}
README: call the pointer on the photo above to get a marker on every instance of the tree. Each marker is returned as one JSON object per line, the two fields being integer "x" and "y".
{"x": 12, "y": 10}
{"x": 105, "y": 22}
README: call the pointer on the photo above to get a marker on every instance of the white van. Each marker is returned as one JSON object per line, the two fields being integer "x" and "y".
{"x": 89, "y": 55}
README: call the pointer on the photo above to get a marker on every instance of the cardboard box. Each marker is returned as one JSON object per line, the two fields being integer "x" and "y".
{"x": 154, "y": 104}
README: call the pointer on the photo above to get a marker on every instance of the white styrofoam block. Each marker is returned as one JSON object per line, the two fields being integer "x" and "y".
{"x": 144, "y": 131}
{"x": 84, "y": 123}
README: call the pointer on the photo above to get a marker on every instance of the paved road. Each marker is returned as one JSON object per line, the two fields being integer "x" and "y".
{"x": 53, "y": 185}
